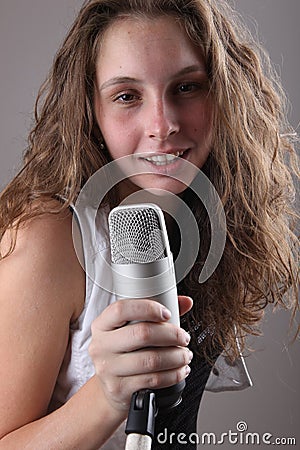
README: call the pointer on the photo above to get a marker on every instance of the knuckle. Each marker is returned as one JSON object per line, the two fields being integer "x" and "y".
{"x": 149, "y": 308}
{"x": 153, "y": 308}
{"x": 181, "y": 336}
{"x": 92, "y": 349}
{"x": 179, "y": 376}
{"x": 94, "y": 327}
{"x": 99, "y": 362}
{"x": 154, "y": 381}
{"x": 186, "y": 358}
{"x": 146, "y": 308}
{"x": 117, "y": 309}
{"x": 152, "y": 361}
{"x": 178, "y": 334}
{"x": 101, "y": 368}
{"x": 141, "y": 333}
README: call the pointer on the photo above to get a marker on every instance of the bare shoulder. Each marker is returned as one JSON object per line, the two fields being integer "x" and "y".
{"x": 42, "y": 289}
{"x": 44, "y": 249}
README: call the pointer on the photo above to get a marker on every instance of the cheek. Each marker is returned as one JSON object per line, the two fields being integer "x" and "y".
{"x": 119, "y": 138}
{"x": 121, "y": 132}
{"x": 202, "y": 123}
{"x": 110, "y": 129}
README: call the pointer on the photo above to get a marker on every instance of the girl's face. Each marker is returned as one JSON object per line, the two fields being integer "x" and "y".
{"x": 152, "y": 100}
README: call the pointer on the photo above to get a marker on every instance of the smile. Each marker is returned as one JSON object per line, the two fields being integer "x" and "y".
{"x": 164, "y": 159}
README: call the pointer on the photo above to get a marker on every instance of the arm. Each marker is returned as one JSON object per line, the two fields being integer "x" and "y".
{"x": 42, "y": 290}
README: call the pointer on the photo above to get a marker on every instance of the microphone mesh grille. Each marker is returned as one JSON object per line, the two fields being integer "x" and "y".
{"x": 135, "y": 236}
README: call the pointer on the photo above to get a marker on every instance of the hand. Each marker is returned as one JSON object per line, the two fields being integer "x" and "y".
{"x": 149, "y": 354}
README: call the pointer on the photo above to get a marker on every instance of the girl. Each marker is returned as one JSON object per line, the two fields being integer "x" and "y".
{"x": 168, "y": 82}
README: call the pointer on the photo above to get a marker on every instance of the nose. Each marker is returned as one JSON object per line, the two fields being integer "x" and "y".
{"x": 161, "y": 121}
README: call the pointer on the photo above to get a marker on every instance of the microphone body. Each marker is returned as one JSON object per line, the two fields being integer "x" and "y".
{"x": 142, "y": 267}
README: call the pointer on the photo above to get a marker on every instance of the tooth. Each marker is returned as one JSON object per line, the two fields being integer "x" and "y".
{"x": 165, "y": 158}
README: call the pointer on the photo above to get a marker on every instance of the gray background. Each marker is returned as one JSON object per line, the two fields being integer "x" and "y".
{"x": 30, "y": 32}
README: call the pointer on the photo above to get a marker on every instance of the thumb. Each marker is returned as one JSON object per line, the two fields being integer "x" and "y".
{"x": 185, "y": 304}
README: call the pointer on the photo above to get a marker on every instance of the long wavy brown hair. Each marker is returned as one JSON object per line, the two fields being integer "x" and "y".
{"x": 252, "y": 164}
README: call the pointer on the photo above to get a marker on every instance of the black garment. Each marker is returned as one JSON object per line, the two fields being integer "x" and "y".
{"x": 183, "y": 418}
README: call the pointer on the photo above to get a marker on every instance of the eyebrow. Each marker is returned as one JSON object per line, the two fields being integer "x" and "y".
{"x": 123, "y": 80}
{"x": 191, "y": 69}
{"x": 117, "y": 80}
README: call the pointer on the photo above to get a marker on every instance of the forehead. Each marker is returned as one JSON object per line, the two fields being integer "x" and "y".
{"x": 133, "y": 40}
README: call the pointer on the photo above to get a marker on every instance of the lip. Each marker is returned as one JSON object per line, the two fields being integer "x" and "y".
{"x": 164, "y": 169}
{"x": 172, "y": 151}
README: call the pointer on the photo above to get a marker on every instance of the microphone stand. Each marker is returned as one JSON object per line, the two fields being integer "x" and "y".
{"x": 141, "y": 420}
{"x": 144, "y": 407}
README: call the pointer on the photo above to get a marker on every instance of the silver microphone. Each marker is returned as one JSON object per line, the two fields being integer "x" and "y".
{"x": 142, "y": 267}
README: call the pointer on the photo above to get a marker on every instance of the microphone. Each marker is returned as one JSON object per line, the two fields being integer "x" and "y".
{"x": 142, "y": 267}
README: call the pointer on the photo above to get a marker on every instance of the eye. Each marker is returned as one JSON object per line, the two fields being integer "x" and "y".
{"x": 126, "y": 98}
{"x": 189, "y": 87}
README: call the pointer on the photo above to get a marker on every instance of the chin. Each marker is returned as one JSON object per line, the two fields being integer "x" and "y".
{"x": 159, "y": 185}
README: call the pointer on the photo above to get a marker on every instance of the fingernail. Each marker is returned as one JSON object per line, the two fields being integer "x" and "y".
{"x": 166, "y": 314}
{"x": 190, "y": 356}
{"x": 187, "y": 337}
{"x": 187, "y": 370}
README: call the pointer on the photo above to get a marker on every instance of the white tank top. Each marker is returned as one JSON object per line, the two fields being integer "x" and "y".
{"x": 77, "y": 367}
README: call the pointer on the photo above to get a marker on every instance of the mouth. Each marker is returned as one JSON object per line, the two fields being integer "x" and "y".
{"x": 164, "y": 159}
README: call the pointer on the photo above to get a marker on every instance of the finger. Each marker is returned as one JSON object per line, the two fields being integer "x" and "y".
{"x": 185, "y": 304}
{"x": 123, "y": 311}
{"x": 146, "y": 334}
{"x": 156, "y": 380}
{"x": 150, "y": 361}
